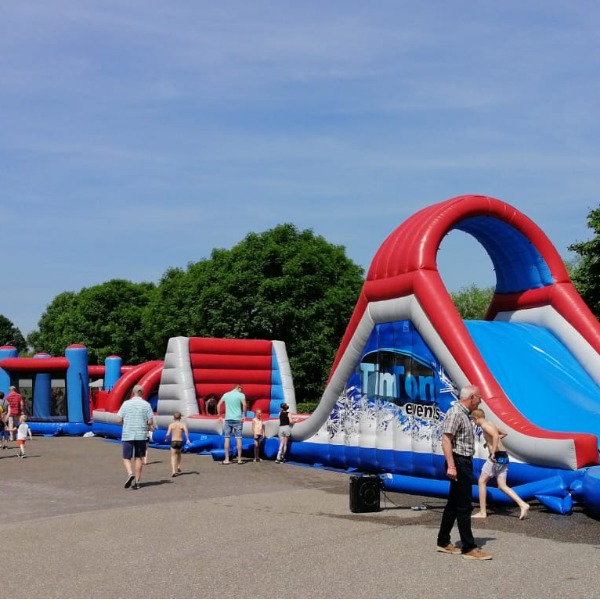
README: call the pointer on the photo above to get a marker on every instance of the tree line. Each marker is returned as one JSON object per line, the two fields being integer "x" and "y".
{"x": 283, "y": 284}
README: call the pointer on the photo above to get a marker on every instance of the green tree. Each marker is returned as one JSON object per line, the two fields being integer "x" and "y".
{"x": 283, "y": 284}
{"x": 472, "y": 302}
{"x": 571, "y": 264}
{"x": 106, "y": 318}
{"x": 175, "y": 308}
{"x": 585, "y": 273}
{"x": 11, "y": 335}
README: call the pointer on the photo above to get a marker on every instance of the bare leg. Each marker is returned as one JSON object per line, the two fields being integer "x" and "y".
{"x": 256, "y": 450}
{"x": 139, "y": 465}
{"x": 482, "y": 484}
{"x": 514, "y": 496}
{"x": 173, "y": 462}
{"x": 226, "y": 446}
{"x": 127, "y": 465}
{"x": 178, "y": 461}
{"x": 239, "y": 450}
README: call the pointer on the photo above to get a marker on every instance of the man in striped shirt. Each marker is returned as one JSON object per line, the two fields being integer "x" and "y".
{"x": 137, "y": 417}
{"x": 458, "y": 445}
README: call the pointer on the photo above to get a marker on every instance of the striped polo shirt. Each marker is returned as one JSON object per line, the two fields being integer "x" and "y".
{"x": 135, "y": 413}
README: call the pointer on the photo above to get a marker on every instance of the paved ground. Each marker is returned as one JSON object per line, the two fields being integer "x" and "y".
{"x": 257, "y": 530}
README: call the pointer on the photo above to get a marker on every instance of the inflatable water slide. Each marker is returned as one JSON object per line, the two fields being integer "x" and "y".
{"x": 406, "y": 352}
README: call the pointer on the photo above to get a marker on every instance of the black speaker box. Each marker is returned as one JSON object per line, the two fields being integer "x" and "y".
{"x": 365, "y": 492}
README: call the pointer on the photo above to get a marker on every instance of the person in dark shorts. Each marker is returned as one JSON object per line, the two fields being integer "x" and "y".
{"x": 137, "y": 417}
{"x": 175, "y": 431}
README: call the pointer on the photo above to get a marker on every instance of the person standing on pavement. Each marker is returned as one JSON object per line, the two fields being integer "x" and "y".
{"x": 4, "y": 410}
{"x": 285, "y": 431}
{"x": 258, "y": 433}
{"x": 16, "y": 409}
{"x": 23, "y": 432}
{"x": 458, "y": 445}
{"x": 235, "y": 411}
{"x": 137, "y": 418}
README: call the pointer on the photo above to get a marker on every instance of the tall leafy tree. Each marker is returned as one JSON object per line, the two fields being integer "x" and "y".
{"x": 56, "y": 326}
{"x": 175, "y": 308}
{"x": 283, "y": 284}
{"x": 585, "y": 273}
{"x": 107, "y": 318}
{"x": 11, "y": 335}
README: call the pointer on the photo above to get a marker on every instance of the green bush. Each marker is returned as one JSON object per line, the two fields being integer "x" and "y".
{"x": 306, "y": 407}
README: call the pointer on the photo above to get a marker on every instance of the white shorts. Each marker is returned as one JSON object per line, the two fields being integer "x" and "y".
{"x": 494, "y": 470}
{"x": 285, "y": 431}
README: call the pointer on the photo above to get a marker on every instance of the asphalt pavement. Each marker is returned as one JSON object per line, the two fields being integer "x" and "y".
{"x": 258, "y": 530}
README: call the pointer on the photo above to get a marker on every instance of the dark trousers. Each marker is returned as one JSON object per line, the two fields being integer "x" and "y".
{"x": 459, "y": 506}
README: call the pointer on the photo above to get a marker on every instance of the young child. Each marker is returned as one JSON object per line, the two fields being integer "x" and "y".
{"x": 22, "y": 432}
{"x": 150, "y": 440}
{"x": 4, "y": 435}
{"x": 495, "y": 466}
{"x": 176, "y": 430}
{"x": 258, "y": 433}
{"x": 211, "y": 405}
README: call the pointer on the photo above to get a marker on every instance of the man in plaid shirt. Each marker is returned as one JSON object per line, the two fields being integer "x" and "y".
{"x": 458, "y": 445}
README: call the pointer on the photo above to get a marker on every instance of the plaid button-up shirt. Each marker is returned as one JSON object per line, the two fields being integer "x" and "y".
{"x": 457, "y": 423}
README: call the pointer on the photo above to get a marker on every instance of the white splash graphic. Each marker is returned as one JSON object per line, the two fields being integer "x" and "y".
{"x": 357, "y": 420}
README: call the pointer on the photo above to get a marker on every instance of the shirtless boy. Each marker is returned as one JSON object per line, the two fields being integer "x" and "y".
{"x": 495, "y": 466}
{"x": 176, "y": 430}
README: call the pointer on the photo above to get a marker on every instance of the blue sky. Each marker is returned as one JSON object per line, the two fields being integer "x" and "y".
{"x": 139, "y": 135}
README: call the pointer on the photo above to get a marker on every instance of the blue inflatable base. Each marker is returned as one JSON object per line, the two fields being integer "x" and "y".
{"x": 58, "y": 428}
{"x": 408, "y": 472}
